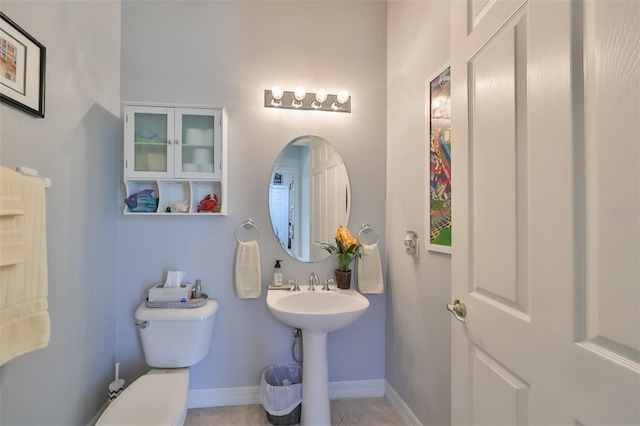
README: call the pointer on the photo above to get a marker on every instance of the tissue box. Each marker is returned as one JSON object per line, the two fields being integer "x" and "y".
{"x": 160, "y": 293}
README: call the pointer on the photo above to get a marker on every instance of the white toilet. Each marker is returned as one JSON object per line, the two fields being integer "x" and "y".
{"x": 172, "y": 340}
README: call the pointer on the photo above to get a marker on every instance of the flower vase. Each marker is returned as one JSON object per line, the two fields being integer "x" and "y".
{"x": 343, "y": 279}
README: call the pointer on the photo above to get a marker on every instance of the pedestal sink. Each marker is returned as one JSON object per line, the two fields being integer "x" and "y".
{"x": 316, "y": 313}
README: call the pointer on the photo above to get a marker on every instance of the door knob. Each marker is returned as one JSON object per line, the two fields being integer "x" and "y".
{"x": 459, "y": 310}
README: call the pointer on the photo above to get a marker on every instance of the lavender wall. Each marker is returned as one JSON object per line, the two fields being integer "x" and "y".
{"x": 76, "y": 145}
{"x": 418, "y": 326}
{"x": 227, "y": 53}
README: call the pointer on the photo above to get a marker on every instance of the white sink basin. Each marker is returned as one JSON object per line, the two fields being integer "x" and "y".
{"x": 319, "y": 311}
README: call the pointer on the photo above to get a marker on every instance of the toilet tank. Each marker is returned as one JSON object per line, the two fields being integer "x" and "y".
{"x": 176, "y": 337}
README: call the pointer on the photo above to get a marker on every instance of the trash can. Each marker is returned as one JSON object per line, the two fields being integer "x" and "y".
{"x": 281, "y": 393}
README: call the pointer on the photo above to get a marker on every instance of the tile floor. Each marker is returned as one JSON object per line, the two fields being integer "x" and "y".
{"x": 344, "y": 412}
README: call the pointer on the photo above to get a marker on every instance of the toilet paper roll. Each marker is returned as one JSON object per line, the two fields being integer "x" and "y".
{"x": 202, "y": 156}
{"x": 140, "y": 161}
{"x": 206, "y": 168}
{"x": 194, "y": 136}
{"x": 189, "y": 167}
{"x": 208, "y": 136}
{"x": 156, "y": 162}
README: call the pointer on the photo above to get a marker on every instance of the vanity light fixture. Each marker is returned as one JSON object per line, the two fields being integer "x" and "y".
{"x": 300, "y": 99}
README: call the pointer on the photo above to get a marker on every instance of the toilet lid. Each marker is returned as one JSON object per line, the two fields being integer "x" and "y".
{"x": 153, "y": 399}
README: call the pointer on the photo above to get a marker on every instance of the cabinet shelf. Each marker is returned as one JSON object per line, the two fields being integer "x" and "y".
{"x": 170, "y": 191}
{"x": 153, "y": 143}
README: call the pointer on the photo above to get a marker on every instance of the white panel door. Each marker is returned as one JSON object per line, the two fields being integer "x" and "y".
{"x": 328, "y": 195}
{"x": 546, "y": 208}
{"x": 279, "y": 210}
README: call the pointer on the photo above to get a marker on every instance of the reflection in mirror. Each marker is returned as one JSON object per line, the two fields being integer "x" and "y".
{"x": 309, "y": 197}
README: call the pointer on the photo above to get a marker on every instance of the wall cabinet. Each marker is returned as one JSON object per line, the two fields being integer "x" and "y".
{"x": 179, "y": 152}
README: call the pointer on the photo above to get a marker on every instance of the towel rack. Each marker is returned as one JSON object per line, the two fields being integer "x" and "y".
{"x": 27, "y": 171}
{"x": 366, "y": 228}
{"x": 247, "y": 224}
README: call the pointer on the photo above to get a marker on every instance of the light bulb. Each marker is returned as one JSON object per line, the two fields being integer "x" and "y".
{"x": 277, "y": 92}
{"x": 300, "y": 93}
{"x": 343, "y": 97}
{"x": 321, "y": 96}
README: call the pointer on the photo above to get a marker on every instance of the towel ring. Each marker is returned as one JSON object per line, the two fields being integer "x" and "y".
{"x": 366, "y": 228}
{"x": 247, "y": 224}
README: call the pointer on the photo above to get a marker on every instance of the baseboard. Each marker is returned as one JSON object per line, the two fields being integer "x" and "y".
{"x": 373, "y": 388}
{"x": 247, "y": 395}
{"x": 218, "y": 397}
{"x": 400, "y": 406}
{"x": 95, "y": 418}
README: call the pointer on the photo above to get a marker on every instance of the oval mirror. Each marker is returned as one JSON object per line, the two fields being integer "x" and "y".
{"x": 309, "y": 197}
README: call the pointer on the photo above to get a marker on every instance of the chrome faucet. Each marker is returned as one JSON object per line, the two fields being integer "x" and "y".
{"x": 313, "y": 280}
{"x": 325, "y": 287}
{"x": 296, "y": 287}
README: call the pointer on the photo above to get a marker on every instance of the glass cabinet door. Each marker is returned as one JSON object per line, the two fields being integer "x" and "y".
{"x": 198, "y": 153}
{"x": 150, "y": 142}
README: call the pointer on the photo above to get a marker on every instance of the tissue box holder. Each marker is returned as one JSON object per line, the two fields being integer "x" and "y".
{"x": 160, "y": 293}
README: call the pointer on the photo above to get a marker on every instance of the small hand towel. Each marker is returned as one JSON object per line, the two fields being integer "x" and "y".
{"x": 369, "y": 270}
{"x": 247, "y": 270}
{"x": 24, "y": 317}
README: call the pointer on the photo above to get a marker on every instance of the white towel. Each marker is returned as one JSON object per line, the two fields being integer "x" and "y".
{"x": 11, "y": 219}
{"x": 247, "y": 270}
{"x": 24, "y": 316}
{"x": 369, "y": 270}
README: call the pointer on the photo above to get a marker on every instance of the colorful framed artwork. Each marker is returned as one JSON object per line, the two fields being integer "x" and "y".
{"x": 22, "y": 68}
{"x": 438, "y": 108}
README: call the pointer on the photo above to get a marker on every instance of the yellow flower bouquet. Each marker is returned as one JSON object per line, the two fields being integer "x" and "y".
{"x": 347, "y": 248}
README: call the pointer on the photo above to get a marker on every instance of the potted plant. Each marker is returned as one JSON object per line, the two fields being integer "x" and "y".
{"x": 347, "y": 248}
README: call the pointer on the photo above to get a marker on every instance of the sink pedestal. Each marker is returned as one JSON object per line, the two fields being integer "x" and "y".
{"x": 315, "y": 380}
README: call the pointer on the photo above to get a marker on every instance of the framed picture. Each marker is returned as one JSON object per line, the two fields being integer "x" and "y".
{"x": 22, "y": 68}
{"x": 438, "y": 108}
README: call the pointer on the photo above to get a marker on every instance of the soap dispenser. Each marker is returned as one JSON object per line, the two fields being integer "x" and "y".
{"x": 277, "y": 274}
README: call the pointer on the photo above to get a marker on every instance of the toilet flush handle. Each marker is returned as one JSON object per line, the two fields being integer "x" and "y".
{"x": 142, "y": 325}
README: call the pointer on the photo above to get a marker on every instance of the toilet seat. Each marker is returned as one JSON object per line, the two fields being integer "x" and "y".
{"x": 153, "y": 399}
